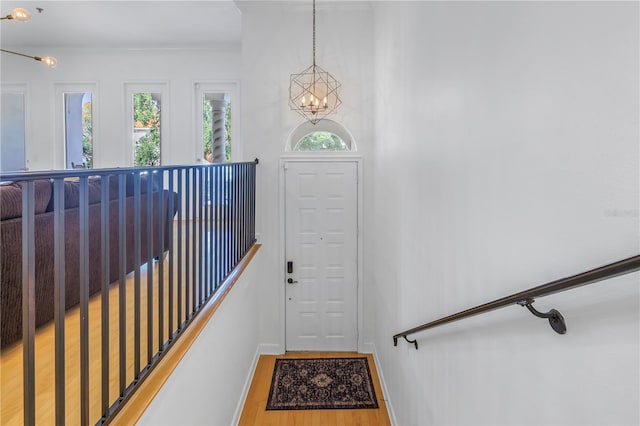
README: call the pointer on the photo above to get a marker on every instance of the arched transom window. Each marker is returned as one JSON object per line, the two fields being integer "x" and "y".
{"x": 325, "y": 136}
{"x": 321, "y": 141}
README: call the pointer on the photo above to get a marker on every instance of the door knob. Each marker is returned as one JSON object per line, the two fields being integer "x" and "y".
{"x": 291, "y": 281}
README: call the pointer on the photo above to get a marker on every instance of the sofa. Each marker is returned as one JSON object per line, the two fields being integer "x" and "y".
{"x": 11, "y": 244}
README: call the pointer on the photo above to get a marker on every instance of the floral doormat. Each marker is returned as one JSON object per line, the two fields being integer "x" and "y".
{"x": 321, "y": 383}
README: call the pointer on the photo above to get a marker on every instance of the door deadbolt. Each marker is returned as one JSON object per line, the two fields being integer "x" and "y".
{"x": 289, "y": 267}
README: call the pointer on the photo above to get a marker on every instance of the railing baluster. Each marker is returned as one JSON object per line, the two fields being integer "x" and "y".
{"x": 201, "y": 236}
{"x": 243, "y": 192}
{"x": 150, "y": 247}
{"x": 161, "y": 225}
{"x": 122, "y": 284}
{"x": 28, "y": 302}
{"x": 105, "y": 246}
{"x": 194, "y": 241}
{"x": 137, "y": 232}
{"x": 207, "y": 225}
{"x": 238, "y": 238}
{"x": 225, "y": 220}
{"x": 234, "y": 212}
{"x": 84, "y": 299}
{"x": 220, "y": 204}
{"x": 216, "y": 245}
{"x": 253, "y": 201}
{"x": 179, "y": 243}
{"x": 228, "y": 255}
{"x": 170, "y": 243}
{"x": 187, "y": 249}
{"x": 239, "y": 222}
{"x": 59, "y": 297}
{"x": 212, "y": 225}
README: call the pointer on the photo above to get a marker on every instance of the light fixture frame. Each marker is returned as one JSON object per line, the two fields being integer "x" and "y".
{"x": 23, "y": 15}
{"x": 19, "y": 14}
{"x": 314, "y": 93}
{"x": 49, "y": 61}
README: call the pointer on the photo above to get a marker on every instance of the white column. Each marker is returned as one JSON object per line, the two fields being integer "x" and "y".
{"x": 217, "y": 130}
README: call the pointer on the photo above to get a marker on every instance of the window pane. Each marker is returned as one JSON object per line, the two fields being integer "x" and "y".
{"x": 146, "y": 129}
{"x": 12, "y": 151}
{"x": 78, "y": 130}
{"x": 207, "y": 122}
{"x": 216, "y": 128}
{"x": 321, "y": 141}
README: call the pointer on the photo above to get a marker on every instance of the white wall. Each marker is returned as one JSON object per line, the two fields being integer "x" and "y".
{"x": 506, "y": 156}
{"x": 207, "y": 385}
{"x": 110, "y": 70}
{"x": 276, "y": 42}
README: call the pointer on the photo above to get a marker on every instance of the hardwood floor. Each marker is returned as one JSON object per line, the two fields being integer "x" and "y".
{"x": 11, "y": 380}
{"x": 254, "y": 412}
{"x": 11, "y": 377}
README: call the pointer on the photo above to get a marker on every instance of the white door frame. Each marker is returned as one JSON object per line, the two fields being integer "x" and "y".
{"x": 321, "y": 158}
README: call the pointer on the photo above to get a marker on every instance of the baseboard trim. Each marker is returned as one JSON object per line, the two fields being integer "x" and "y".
{"x": 271, "y": 349}
{"x": 367, "y": 348}
{"x": 383, "y": 385}
{"x": 246, "y": 387}
{"x": 262, "y": 349}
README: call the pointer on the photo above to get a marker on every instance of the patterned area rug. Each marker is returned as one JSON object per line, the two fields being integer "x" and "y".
{"x": 321, "y": 383}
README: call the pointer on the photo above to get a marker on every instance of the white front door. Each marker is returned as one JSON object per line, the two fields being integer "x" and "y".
{"x": 321, "y": 271}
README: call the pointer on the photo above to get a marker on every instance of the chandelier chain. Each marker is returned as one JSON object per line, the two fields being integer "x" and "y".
{"x": 314, "y": 93}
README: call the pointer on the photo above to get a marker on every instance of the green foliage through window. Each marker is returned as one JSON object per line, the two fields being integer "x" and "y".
{"x": 321, "y": 141}
{"x": 146, "y": 115}
{"x": 87, "y": 131}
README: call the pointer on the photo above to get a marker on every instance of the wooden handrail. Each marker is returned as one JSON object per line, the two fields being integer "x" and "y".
{"x": 526, "y": 297}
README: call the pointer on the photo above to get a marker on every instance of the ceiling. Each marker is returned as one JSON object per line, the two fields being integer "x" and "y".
{"x": 115, "y": 23}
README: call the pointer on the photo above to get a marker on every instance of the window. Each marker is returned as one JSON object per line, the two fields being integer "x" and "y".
{"x": 13, "y": 125}
{"x": 216, "y": 122}
{"x": 146, "y": 129}
{"x": 216, "y": 128}
{"x": 75, "y": 125}
{"x": 325, "y": 136}
{"x": 321, "y": 141}
{"x": 78, "y": 130}
{"x": 147, "y": 120}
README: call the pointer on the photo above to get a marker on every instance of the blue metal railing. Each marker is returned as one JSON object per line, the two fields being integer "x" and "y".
{"x": 183, "y": 227}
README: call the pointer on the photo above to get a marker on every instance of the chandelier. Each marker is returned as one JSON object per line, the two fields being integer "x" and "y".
{"x": 314, "y": 93}
{"x": 23, "y": 15}
{"x": 19, "y": 14}
{"x": 49, "y": 61}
